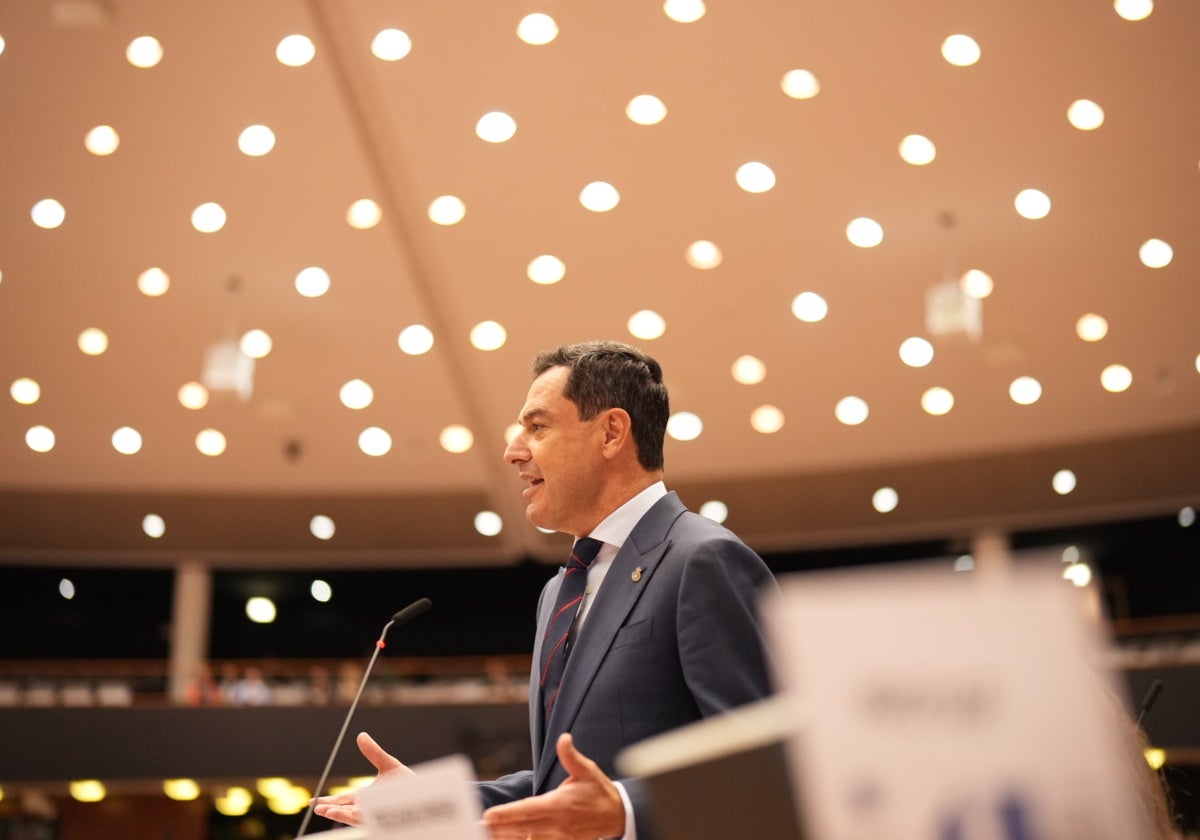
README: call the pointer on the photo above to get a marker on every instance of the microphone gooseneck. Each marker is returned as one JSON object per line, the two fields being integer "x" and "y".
{"x": 1151, "y": 695}
{"x": 401, "y": 618}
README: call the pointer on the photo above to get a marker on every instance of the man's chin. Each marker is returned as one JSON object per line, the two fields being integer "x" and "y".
{"x": 538, "y": 520}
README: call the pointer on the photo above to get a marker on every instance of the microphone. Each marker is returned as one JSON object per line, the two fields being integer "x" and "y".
{"x": 401, "y": 618}
{"x": 1151, "y": 695}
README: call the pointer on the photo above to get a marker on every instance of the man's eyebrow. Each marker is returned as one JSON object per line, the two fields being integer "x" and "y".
{"x": 532, "y": 414}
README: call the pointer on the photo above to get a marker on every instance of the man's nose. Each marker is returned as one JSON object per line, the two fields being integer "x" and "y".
{"x": 516, "y": 452}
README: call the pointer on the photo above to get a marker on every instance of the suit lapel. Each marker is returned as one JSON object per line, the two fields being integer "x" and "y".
{"x": 644, "y": 548}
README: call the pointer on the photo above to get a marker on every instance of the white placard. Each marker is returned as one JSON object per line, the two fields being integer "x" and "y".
{"x": 438, "y": 803}
{"x": 945, "y": 707}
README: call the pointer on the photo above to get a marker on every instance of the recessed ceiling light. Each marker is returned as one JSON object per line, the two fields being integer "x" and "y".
{"x": 193, "y": 395}
{"x": 599, "y": 197}
{"x": 852, "y": 411}
{"x": 208, "y": 217}
{"x": 684, "y": 425}
{"x": 645, "y": 109}
{"x": 127, "y": 440}
{"x": 864, "y": 232}
{"x": 1025, "y": 390}
{"x": 810, "y": 307}
{"x": 364, "y": 214}
{"x": 25, "y": 391}
{"x": 488, "y": 335}
{"x": 916, "y": 352}
{"x": 488, "y": 523}
{"x": 447, "y": 210}
{"x": 323, "y": 528}
{"x": 313, "y": 281}
{"x": 684, "y": 11}
{"x": 256, "y": 140}
{"x": 748, "y": 370}
{"x": 144, "y": 52}
{"x": 102, "y": 140}
{"x": 416, "y": 340}
{"x": 153, "y": 526}
{"x": 1085, "y": 115}
{"x": 960, "y": 50}
{"x": 703, "y": 254}
{"x": 153, "y": 282}
{"x": 937, "y": 401}
{"x": 1155, "y": 253}
{"x": 374, "y": 441}
{"x": 1133, "y": 10}
{"x": 391, "y": 44}
{"x": 1116, "y": 378}
{"x": 39, "y": 438}
{"x": 456, "y": 439}
{"x": 48, "y": 214}
{"x": 1091, "y": 327}
{"x": 495, "y": 127}
{"x": 917, "y": 150}
{"x": 976, "y": 283}
{"x": 93, "y": 341}
{"x": 546, "y": 270}
{"x": 800, "y": 84}
{"x": 1032, "y": 204}
{"x": 1063, "y": 482}
{"x": 295, "y": 50}
{"x": 767, "y": 419}
{"x": 646, "y": 324}
{"x": 715, "y": 510}
{"x": 256, "y": 344}
{"x": 210, "y": 442}
{"x": 755, "y": 177}
{"x": 537, "y": 29}
{"x": 356, "y": 394}
{"x": 885, "y": 499}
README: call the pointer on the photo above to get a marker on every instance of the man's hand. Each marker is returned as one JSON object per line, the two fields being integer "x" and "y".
{"x": 343, "y": 808}
{"x": 584, "y": 807}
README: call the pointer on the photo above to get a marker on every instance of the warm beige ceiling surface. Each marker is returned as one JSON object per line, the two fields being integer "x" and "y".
{"x": 351, "y": 126}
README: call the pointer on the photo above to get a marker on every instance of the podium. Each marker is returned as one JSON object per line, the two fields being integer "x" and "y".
{"x": 725, "y": 776}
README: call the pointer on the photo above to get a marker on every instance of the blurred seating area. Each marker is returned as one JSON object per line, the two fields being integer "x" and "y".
{"x": 273, "y": 682}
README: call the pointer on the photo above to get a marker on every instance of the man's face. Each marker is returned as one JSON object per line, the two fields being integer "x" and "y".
{"x": 558, "y": 457}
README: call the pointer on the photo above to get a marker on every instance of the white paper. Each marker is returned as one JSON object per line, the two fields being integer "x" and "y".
{"x": 941, "y": 706}
{"x": 438, "y": 803}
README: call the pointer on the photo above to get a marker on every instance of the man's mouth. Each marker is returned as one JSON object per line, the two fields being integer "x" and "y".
{"x": 533, "y": 484}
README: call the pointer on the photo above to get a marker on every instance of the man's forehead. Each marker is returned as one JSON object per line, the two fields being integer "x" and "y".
{"x": 546, "y": 395}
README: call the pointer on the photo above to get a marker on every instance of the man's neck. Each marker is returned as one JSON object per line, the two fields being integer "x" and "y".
{"x": 621, "y": 494}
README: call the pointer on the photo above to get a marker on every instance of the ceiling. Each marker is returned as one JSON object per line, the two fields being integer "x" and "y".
{"x": 350, "y": 126}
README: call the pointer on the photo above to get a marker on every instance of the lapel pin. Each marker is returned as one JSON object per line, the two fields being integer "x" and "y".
{"x": 637, "y": 574}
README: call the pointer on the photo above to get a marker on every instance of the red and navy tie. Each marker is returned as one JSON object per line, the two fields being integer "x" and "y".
{"x": 556, "y": 642}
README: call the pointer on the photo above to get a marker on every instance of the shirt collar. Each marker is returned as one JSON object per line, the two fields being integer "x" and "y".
{"x": 615, "y": 528}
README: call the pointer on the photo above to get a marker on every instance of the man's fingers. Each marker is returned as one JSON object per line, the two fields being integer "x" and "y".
{"x": 337, "y": 813}
{"x": 573, "y": 761}
{"x": 375, "y": 754}
{"x": 522, "y": 811}
{"x": 339, "y": 799}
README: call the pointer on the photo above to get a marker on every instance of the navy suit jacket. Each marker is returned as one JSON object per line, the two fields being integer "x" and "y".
{"x": 665, "y": 646}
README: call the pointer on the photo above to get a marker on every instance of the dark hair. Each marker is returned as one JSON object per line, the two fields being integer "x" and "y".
{"x": 608, "y": 374}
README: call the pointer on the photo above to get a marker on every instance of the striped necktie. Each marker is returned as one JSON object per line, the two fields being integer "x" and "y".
{"x": 555, "y": 644}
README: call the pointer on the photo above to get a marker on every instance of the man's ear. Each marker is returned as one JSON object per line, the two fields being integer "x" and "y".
{"x": 617, "y": 430}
